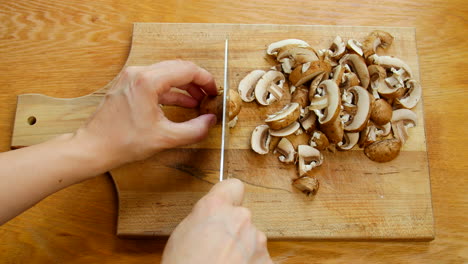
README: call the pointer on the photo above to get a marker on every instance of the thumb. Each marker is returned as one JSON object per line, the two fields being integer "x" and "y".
{"x": 190, "y": 132}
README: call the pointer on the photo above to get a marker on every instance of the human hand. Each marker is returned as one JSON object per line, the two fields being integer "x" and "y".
{"x": 218, "y": 230}
{"x": 129, "y": 124}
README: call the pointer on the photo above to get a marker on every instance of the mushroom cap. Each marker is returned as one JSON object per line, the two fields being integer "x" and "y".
{"x": 349, "y": 141}
{"x": 375, "y": 39}
{"x": 306, "y": 72}
{"x": 333, "y": 130}
{"x": 284, "y": 117}
{"x": 212, "y": 105}
{"x": 301, "y": 96}
{"x": 383, "y": 150}
{"x": 275, "y": 46}
{"x": 286, "y": 149}
{"x": 359, "y": 67}
{"x": 307, "y": 185}
{"x": 234, "y": 104}
{"x": 269, "y": 88}
{"x": 412, "y": 97}
{"x": 391, "y": 62}
{"x": 309, "y": 158}
{"x": 381, "y": 112}
{"x": 292, "y": 128}
{"x": 260, "y": 140}
{"x": 247, "y": 85}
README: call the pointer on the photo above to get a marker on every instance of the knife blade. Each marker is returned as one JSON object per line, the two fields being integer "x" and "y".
{"x": 225, "y": 128}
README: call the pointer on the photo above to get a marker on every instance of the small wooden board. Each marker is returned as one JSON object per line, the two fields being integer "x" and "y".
{"x": 358, "y": 198}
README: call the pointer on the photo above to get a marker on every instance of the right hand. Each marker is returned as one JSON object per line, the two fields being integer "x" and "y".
{"x": 218, "y": 230}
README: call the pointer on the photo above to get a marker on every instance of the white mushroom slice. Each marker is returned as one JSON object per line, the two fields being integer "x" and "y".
{"x": 315, "y": 68}
{"x": 314, "y": 85}
{"x": 286, "y": 149}
{"x": 412, "y": 97}
{"x": 338, "y": 72}
{"x": 358, "y": 66}
{"x": 363, "y": 101}
{"x": 338, "y": 48}
{"x": 367, "y": 136}
{"x": 349, "y": 141}
{"x": 389, "y": 62}
{"x": 377, "y": 76}
{"x": 376, "y": 39}
{"x": 233, "y": 122}
{"x": 332, "y": 92}
{"x": 260, "y": 140}
{"x": 402, "y": 119}
{"x": 247, "y": 85}
{"x": 309, "y": 158}
{"x": 286, "y": 65}
{"x": 307, "y": 185}
{"x": 284, "y": 117}
{"x": 308, "y": 122}
{"x": 297, "y": 55}
{"x": 384, "y": 130}
{"x": 274, "y": 47}
{"x": 319, "y": 140}
{"x": 354, "y": 46}
{"x": 269, "y": 88}
{"x": 319, "y": 103}
{"x": 284, "y": 132}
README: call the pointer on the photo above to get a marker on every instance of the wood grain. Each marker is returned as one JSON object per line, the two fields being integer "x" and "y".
{"x": 72, "y": 48}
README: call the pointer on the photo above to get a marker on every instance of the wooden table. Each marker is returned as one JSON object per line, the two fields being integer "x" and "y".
{"x": 72, "y": 48}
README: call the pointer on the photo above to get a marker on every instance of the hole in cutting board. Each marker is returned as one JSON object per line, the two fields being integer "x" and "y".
{"x": 32, "y": 120}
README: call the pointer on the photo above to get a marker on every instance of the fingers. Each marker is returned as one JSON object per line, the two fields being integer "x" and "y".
{"x": 188, "y": 132}
{"x": 231, "y": 191}
{"x": 164, "y": 75}
{"x": 194, "y": 90}
{"x": 177, "y": 98}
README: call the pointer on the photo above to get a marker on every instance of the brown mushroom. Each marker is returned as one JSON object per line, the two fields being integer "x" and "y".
{"x": 260, "y": 140}
{"x": 358, "y": 66}
{"x": 389, "y": 62}
{"x": 286, "y": 149}
{"x": 349, "y": 141}
{"x": 381, "y": 112}
{"x": 402, "y": 119}
{"x": 309, "y": 158}
{"x": 376, "y": 39}
{"x": 412, "y": 97}
{"x": 383, "y": 150}
{"x": 307, "y": 185}
{"x": 308, "y": 71}
{"x": 362, "y": 100}
{"x": 289, "y": 130}
{"x": 301, "y": 96}
{"x": 274, "y": 47}
{"x": 354, "y": 46}
{"x": 284, "y": 117}
{"x": 247, "y": 85}
{"x": 309, "y": 121}
{"x": 337, "y": 48}
{"x": 269, "y": 88}
{"x": 319, "y": 140}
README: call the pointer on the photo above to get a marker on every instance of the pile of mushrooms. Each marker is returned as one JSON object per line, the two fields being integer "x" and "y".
{"x": 342, "y": 97}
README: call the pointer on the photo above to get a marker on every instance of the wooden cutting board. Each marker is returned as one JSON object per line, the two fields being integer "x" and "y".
{"x": 358, "y": 198}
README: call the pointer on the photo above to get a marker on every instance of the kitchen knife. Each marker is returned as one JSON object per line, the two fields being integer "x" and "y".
{"x": 225, "y": 128}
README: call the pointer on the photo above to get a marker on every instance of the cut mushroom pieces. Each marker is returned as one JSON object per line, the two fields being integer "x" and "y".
{"x": 381, "y": 112}
{"x": 309, "y": 158}
{"x": 319, "y": 140}
{"x": 301, "y": 96}
{"x": 309, "y": 121}
{"x": 363, "y": 102}
{"x": 284, "y": 117}
{"x": 247, "y": 85}
{"x": 354, "y": 46}
{"x": 389, "y": 62}
{"x": 376, "y": 39}
{"x": 260, "y": 140}
{"x": 358, "y": 66}
{"x": 274, "y": 47}
{"x": 412, "y": 97}
{"x": 337, "y": 48}
{"x": 286, "y": 150}
{"x": 349, "y": 141}
{"x": 402, "y": 119}
{"x": 234, "y": 104}
{"x": 296, "y": 55}
{"x": 284, "y": 132}
{"x": 269, "y": 88}
{"x": 308, "y": 71}
{"x": 383, "y": 150}
{"x": 331, "y": 112}
{"x": 307, "y": 185}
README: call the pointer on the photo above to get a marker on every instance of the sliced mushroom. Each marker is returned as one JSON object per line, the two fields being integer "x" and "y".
{"x": 383, "y": 130}
{"x": 307, "y": 185}
{"x": 309, "y": 158}
{"x": 389, "y": 62}
{"x": 289, "y": 130}
{"x": 377, "y": 77}
{"x": 329, "y": 120}
{"x": 338, "y": 72}
{"x": 269, "y": 88}
{"x": 314, "y": 85}
{"x": 284, "y": 117}
{"x": 309, "y": 121}
{"x": 374, "y": 40}
{"x": 402, "y": 119}
{"x": 247, "y": 85}
{"x": 301, "y": 96}
{"x": 349, "y": 141}
{"x": 260, "y": 140}
{"x": 358, "y": 66}
{"x": 363, "y": 102}
{"x": 308, "y": 71}
{"x": 333, "y": 130}
{"x": 319, "y": 140}
{"x": 381, "y": 112}
{"x": 274, "y": 47}
{"x": 354, "y": 46}
{"x": 286, "y": 149}
{"x": 338, "y": 48}
{"x": 383, "y": 150}
{"x": 234, "y": 104}
{"x": 296, "y": 55}
{"x": 367, "y": 136}
{"x": 232, "y": 123}
{"x": 412, "y": 97}
{"x": 349, "y": 79}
